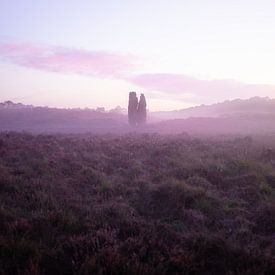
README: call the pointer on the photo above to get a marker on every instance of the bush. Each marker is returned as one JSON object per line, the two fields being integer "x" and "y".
{"x": 135, "y": 204}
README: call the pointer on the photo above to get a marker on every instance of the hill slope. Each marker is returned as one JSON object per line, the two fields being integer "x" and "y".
{"x": 255, "y": 105}
{"x": 252, "y": 116}
{"x": 19, "y": 117}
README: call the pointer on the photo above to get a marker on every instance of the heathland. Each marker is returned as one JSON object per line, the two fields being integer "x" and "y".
{"x": 136, "y": 204}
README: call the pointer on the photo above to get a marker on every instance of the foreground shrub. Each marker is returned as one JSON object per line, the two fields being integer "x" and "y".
{"x": 135, "y": 204}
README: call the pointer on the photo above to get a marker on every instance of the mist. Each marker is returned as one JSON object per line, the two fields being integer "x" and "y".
{"x": 137, "y": 137}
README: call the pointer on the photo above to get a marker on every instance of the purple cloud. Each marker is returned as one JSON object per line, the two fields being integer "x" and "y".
{"x": 66, "y": 60}
{"x": 177, "y": 84}
{"x": 103, "y": 64}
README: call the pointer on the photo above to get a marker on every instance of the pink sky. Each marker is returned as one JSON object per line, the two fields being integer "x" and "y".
{"x": 66, "y": 60}
{"x": 109, "y": 65}
{"x": 180, "y": 54}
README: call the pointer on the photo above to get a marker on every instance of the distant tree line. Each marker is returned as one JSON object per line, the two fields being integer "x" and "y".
{"x": 136, "y": 109}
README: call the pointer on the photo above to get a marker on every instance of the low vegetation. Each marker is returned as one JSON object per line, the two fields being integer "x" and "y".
{"x": 136, "y": 204}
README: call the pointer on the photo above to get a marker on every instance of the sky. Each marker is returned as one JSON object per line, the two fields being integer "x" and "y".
{"x": 180, "y": 53}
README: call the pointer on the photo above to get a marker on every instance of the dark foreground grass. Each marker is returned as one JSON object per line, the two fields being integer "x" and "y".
{"x": 136, "y": 204}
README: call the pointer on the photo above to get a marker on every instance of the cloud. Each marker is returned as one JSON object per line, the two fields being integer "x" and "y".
{"x": 67, "y": 60}
{"x": 109, "y": 65}
{"x": 177, "y": 84}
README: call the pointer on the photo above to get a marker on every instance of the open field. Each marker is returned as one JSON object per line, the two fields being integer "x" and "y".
{"x": 136, "y": 204}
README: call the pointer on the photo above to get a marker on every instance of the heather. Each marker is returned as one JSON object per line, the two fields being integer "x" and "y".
{"x": 136, "y": 204}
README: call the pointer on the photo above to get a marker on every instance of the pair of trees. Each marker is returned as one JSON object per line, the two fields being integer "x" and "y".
{"x": 136, "y": 109}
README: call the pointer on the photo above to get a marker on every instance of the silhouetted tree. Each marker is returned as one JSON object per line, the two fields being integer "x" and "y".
{"x": 141, "y": 110}
{"x": 132, "y": 108}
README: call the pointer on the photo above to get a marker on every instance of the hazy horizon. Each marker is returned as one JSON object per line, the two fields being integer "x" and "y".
{"x": 124, "y": 108}
{"x": 180, "y": 54}
{"x": 179, "y": 181}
